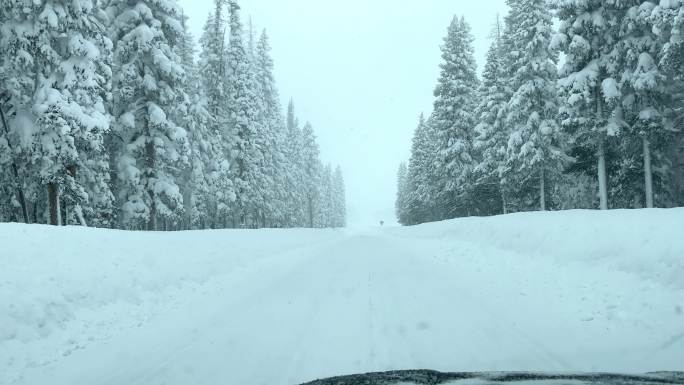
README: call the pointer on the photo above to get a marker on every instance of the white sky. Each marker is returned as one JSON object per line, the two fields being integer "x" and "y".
{"x": 361, "y": 71}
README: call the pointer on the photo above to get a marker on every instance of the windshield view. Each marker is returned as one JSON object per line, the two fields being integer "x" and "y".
{"x": 263, "y": 192}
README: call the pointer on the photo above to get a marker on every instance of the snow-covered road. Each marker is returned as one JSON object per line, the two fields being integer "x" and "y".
{"x": 354, "y": 301}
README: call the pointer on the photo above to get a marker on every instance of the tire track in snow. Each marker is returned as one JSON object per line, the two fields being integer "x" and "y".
{"x": 673, "y": 340}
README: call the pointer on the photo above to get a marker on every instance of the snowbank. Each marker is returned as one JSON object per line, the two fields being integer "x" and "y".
{"x": 68, "y": 284}
{"x": 649, "y": 243}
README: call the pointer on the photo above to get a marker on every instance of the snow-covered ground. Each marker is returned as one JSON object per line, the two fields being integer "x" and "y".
{"x": 571, "y": 291}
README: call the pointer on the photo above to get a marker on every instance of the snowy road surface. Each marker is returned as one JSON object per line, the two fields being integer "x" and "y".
{"x": 285, "y": 307}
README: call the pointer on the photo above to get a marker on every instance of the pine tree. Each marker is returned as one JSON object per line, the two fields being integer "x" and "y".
{"x": 667, "y": 20}
{"x": 312, "y": 174}
{"x": 17, "y": 76}
{"x": 12, "y": 187}
{"x": 148, "y": 87}
{"x": 422, "y": 185}
{"x": 295, "y": 180}
{"x": 339, "y": 199}
{"x": 93, "y": 172}
{"x": 193, "y": 113}
{"x": 453, "y": 118}
{"x": 198, "y": 196}
{"x": 243, "y": 111}
{"x": 492, "y": 133}
{"x": 644, "y": 86}
{"x": 534, "y": 147}
{"x": 668, "y": 23}
{"x": 589, "y": 84}
{"x": 400, "y": 207}
{"x": 213, "y": 67}
{"x": 275, "y": 156}
{"x": 265, "y": 136}
{"x": 213, "y": 64}
{"x": 326, "y": 201}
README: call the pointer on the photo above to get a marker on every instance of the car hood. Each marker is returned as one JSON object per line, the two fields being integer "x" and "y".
{"x": 429, "y": 377}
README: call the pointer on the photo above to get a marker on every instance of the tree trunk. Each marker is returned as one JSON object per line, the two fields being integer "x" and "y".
{"x": 152, "y": 222}
{"x": 648, "y": 173}
{"x": 79, "y": 214}
{"x": 53, "y": 204}
{"x": 542, "y": 189}
{"x": 602, "y": 177}
{"x": 503, "y": 201}
{"x": 20, "y": 196}
{"x": 311, "y": 220}
{"x": 15, "y": 171}
{"x": 601, "y": 152}
{"x": 151, "y": 155}
{"x": 65, "y": 215}
{"x": 59, "y": 208}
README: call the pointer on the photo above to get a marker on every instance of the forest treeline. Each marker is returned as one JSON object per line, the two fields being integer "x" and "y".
{"x": 113, "y": 117}
{"x": 587, "y": 115}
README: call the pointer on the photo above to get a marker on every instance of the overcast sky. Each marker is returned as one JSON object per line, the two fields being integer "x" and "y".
{"x": 361, "y": 71}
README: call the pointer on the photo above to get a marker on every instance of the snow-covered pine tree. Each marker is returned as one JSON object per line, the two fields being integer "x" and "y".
{"x": 339, "y": 199}
{"x": 400, "y": 208}
{"x": 326, "y": 204}
{"x": 185, "y": 48}
{"x": 589, "y": 85}
{"x": 422, "y": 179}
{"x": 454, "y": 120}
{"x": 274, "y": 130}
{"x": 668, "y": 21}
{"x": 12, "y": 194}
{"x": 312, "y": 174}
{"x": 492, "y": 133}
{"x": 212, "y": 63}
{"x": 198, "y": 195}
{"x": 213, "y": 67}
{"x": 92, "y": 90}
{"x": 644, "y": 87}
{"x": 295, "y": 180}
{"x": 148, "y": 87}
{"x": 16, "y": 90}
{"x": 56, "y": 70}
{"x": 243, "y": 111}
{"x": 265, "y": 143}
{"x": 194, "y": 115}
{"x": 534, "y": 145}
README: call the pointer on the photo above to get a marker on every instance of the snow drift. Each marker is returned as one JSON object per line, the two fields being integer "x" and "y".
{"x": 649, "y": 243}
{"x": 62, "y": 288}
